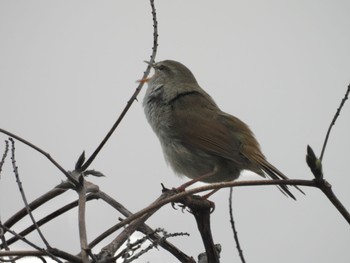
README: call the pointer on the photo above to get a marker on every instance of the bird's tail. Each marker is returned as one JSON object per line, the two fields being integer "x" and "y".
{"x": 274, "y": 173}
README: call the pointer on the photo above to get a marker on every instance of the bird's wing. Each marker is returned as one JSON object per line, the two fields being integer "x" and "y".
{"x": 202, "y": 126}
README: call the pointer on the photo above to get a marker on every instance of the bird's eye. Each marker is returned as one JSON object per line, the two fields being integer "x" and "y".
{"x": 160, "y": 67}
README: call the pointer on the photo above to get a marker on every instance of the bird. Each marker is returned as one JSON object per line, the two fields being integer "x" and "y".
{"x": 196, "y": 136}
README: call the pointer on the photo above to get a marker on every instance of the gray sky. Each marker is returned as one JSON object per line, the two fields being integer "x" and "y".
{"x": 67, "y": 69}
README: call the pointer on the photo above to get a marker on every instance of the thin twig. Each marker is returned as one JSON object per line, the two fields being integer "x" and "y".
{"x": 4, "y": 155}
{"x": 235, "y": 234}
{"x": 40, "y": 151}
{"x": 19, "y": 183}
{"x": 334, "y": 120}
{"x": 134, "y": 96}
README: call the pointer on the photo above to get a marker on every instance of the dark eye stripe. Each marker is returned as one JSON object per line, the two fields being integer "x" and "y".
{"x": 160, "y": 67}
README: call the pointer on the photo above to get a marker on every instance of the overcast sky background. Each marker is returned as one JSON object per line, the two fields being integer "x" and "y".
{"x": 68, "y": 68}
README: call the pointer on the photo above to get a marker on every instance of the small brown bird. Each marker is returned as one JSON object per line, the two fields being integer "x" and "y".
{"x": 196, "y": 136}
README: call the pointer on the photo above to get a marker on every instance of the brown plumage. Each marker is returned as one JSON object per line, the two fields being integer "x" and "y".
{"x": 196, "y": 136}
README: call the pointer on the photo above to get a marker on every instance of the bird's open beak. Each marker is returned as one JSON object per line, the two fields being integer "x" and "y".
{"x": 145, "y": 80}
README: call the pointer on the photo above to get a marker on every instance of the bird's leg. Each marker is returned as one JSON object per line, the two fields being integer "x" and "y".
{"x": 183, "y": 187}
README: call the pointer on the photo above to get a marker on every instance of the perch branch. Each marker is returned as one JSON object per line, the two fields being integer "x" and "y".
{"x": 175, "y": 197}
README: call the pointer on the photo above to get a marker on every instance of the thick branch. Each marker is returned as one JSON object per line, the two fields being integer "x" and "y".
{"x": 81, "y": 220}
{"x": 326, "y": 188}
{"x": 201, "y": 209}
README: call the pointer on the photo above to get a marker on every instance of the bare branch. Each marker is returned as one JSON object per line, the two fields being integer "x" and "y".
{"x": 82, "y": 223}
{"x": 108, "y": 251}
{"x": 4, "y": 155}
{"x": 326, "y": 188}
{"x": 51, "y": 216}
{"x": 235, "y": 234}
{"x": 46, "y": 252}
{"x": 152, "y": 245}
{"x": 64, "y": 255}
{"x": 19, "y": 183}
{"x": 93, "y": 196}
{"x": 40, "y": 151}
{"x": 201, "y": 208}
{"x": 334, "y": 120}
{"x": 34, "y": 204}
{"x": 176, "y": 196}
{"x": 18, "y": 254}
{"x": 3, "y": 239}
{"x": 134, "y": 96}
{"x": 145, "y": 229}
